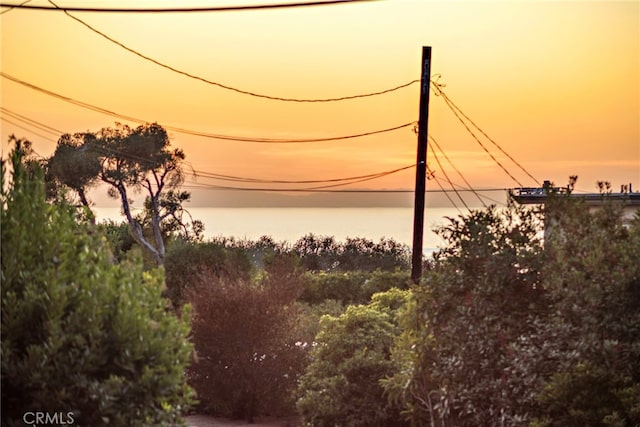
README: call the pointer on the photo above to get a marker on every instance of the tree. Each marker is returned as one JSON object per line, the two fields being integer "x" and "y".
{"x": 75, "y": 164}
{"x": 81, "y": 334}
{"x": 340, "y": 387}
{"x": 592, "y": 280}
{"x": 477, "y": 300}
{"x": 129, "y": 160}
{"x": 508, "y": 331}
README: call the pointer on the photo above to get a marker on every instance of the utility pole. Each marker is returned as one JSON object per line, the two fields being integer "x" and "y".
{"x": 421, "y": 167}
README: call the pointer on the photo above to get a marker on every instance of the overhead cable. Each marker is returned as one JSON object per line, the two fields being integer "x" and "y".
{"x": 455, "y": 168}
{"x": 302, "y": 190}
{"x": 435, "y": 156}
{"x": 187, "y": 9}
{"x": 39, "y": 125}
{"x": 438, "y": 88}
{"x": 286, "y": 141}
{"x": 330, "y": 181}
{"x": 446, "y": 193}
{"x": 276, "y": 181}
{"x": 200, "y": 133}
{"x": 455, "y": 112}
{"x": 231, "y": 88}
{"x": 3, "y": 118}
{"x": 10, "y": 8}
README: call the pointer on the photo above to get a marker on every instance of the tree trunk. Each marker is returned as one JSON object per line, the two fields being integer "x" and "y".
{"x": 136, "y": 229}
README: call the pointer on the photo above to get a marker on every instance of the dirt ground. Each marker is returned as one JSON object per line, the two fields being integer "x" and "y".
{"x": 206, "y": 421}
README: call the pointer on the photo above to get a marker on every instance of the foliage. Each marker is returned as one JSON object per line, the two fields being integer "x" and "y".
{"x": 189, "y": 263}
{"x": 258, "y": 251}
{"x": 246, "y": 340}
{"x": 474, "y": 304}
{"x": 592, "y": 278}
{"x": 323, "y": 253}
{"x": 340, "y": 386}
{"x": 128, "y": 161}
{"x": 75, "y": 164}
{"x": 318, "y": 253}
{"x": 79, "y": 333}
{"x": 350, "y": 287}
{"x": 120, "y": 240}
{"x": 310, "y": 315}
{"x": 505, "y": 332}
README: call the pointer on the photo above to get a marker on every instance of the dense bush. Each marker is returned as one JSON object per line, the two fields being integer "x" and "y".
{"x": 81, "y": 334}
{"x": 188, "y": 263}
{"x": 508, "y": 331}
{"x": 592, "y": 282}
{"x": 310, "y": 315}
{"x": 249, "y": 352}
{"x": 322, "y": 253}
{"x": 473, "y": 305}
{"x": 350, "y": 287}
{"x": 341, "y": 386}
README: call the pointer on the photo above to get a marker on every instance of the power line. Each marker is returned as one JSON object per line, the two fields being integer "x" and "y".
{"x": 320, "y": 189}
{"x": 294, "y": 190}
{"x": 455, "y": 168}
{"x": 225, "y": 86}
{"x": 41, "y": 126}
{"x": 455, "y": 112}
{"x": 199, "y": 133}
{"x": 188, "y": 9}
{"x": 435, "y": 156}
{"x": 452, "y": 105}
{"x": 351, "y": 180}
{"x": 478, "y": 191}
{"x": 24, "y": 128}
{"x": 273, "y": 181}
{"x": 446, "y": 193}
{"x": 341, "y": 181}
{"x": 287, "y": 141}
{"x": 324, "y": 188}
{"x": 10, "y": 8}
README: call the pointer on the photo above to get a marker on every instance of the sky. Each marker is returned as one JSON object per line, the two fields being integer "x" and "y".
{"x": 555, "y": 85}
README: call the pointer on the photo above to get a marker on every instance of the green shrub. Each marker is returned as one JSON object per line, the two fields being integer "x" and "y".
{"x": 81, "y": 334}
{"x": 341, "y": 386}
{"x": 472, "y": 307}
{"x": 350, "y": 287}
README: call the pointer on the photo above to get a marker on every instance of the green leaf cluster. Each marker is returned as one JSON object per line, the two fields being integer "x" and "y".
{"x": 350, "y": 287}
{"x": 81, "y": 333}
{"x": 351, "y": 354}
{"x": 526, "y": 319}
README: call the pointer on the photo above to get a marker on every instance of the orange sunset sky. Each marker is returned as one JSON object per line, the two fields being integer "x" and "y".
{"x": 555, "y": 84}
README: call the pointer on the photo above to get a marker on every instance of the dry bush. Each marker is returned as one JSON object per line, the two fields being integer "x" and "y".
{"x": 245, "y": 336}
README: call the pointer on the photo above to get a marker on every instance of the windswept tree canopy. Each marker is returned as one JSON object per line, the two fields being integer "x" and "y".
{"x": 129, "y": 160}
{"x": 75, "y": 163}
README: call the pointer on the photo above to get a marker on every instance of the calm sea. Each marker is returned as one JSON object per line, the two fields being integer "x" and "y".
{"x": 289, "y": 224}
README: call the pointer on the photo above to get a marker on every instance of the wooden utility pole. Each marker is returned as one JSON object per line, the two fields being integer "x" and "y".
{"x": 421, "y": 167}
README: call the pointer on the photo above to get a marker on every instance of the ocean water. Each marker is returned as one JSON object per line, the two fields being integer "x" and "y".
{"x": 290, "y": 224}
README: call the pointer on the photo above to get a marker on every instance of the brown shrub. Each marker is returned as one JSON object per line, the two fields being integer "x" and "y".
{"x": 245, "y": 334}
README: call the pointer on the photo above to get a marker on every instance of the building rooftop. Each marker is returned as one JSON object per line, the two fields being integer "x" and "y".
{"x": 538, "y": 195}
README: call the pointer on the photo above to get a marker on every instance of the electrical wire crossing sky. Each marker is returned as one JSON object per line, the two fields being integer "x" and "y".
{"x": 297, "y": 94}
